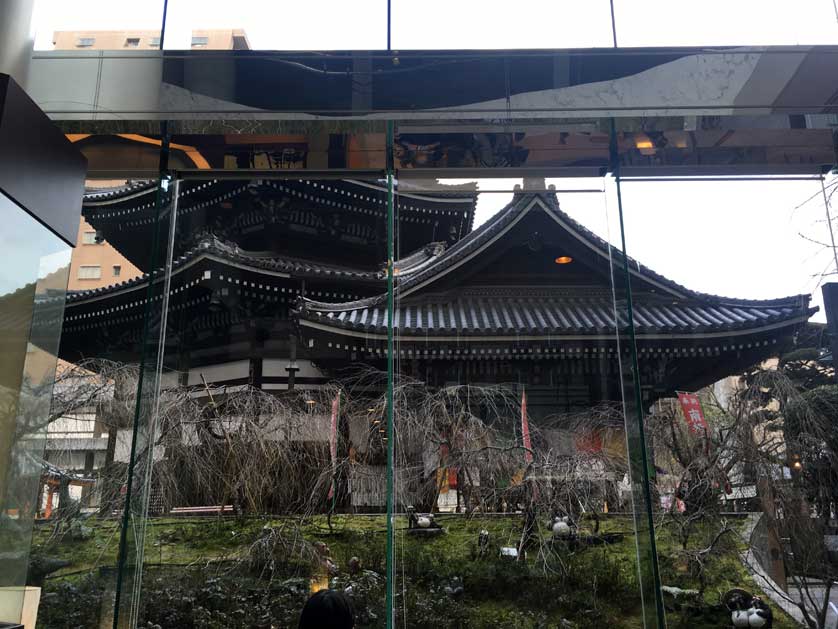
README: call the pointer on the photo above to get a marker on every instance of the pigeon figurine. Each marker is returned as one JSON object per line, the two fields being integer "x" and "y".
{"x": 483, "y": 541}
{"x": 561, "y": 527}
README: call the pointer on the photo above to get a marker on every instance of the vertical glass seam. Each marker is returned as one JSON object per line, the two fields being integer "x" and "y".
{"x": 155, "y": 245}
{"x": 390, "y": 577}
{"x": 638, "y": 399}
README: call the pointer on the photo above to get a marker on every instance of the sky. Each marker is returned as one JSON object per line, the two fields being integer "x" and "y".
{"x": 361, "y": 24}
{"x": 33, "y": 252}
{"x": 738, "y": 239}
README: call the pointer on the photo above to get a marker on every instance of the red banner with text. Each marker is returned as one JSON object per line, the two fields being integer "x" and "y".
{"x": 693, "y": 414}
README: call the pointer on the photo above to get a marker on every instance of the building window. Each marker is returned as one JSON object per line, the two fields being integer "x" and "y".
{"x": 154, "y": 42}
{"x": 132, "y": 42}
{"x": 85, "y": 42}
{"x": 90, "y": 272}
{"x": 89, "y": 238}
{"x": 117, "y": 269}
{"x": 199, "y": 42}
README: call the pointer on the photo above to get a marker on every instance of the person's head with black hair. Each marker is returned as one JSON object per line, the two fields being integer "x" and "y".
{"x": 327, "y": 609}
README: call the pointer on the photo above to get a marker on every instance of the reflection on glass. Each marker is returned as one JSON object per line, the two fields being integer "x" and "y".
{"x": 33, "y": 283}
{"x": 80, "y": 491}
{"x": 511, "y": 446}
{"x": 256, "y": 442}
{"x": 256, "y": 425}
{"x": 733, "y": 391}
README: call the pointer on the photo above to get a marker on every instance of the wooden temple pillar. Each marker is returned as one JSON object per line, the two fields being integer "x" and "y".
{"x": 86, "y": 490}
{"x": 292, "y": 368}
{"x": 254, "y": 378}
{"x": 50, "y": 497}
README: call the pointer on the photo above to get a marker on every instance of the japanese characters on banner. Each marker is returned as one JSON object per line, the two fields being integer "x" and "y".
{"x": 693, "y": 414}
{"x": 333, "y": 442}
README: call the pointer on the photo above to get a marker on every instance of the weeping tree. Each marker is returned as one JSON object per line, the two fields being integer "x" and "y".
{"x": 777, "y": 430}
{"x": 693, "y": 477}
{"x": 269, "y": 452}
{"x": 806, "y": 498}
{"x": 260, "y": 452}
{"x": 472, "y": 435}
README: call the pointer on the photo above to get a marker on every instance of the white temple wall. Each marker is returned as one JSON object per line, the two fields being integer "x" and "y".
{"x": 219, "y": 373}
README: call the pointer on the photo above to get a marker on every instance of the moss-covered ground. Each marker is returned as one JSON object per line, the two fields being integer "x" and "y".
{"x": 211, "y": 572}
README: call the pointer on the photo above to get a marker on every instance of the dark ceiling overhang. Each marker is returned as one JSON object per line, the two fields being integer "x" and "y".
{"x": 727, "y": 111}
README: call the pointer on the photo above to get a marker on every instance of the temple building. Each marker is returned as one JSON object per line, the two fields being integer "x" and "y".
{"x": 282, "y": 285}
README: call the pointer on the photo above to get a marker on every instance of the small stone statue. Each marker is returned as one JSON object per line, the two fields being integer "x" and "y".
{"x": 562, "y": 527}
{"x": 483, "y": 541}
{"x": 747, "y": 610}
{"x": 326, "y": 558}
{"x": 422, "y": 523}
{"x": 420, "y": 520}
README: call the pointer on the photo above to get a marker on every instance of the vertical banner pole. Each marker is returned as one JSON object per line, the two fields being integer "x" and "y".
{"x": 391, "y": 441}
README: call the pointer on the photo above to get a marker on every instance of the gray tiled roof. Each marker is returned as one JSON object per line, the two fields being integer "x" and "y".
{"x": 511, "y": 310}
{"x": 295, "y": 267}
{"x": 529, "y": 313}
{"x": 212, "y": 246}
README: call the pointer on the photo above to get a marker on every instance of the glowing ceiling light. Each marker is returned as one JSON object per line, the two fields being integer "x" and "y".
{"x": 563, "y": 260}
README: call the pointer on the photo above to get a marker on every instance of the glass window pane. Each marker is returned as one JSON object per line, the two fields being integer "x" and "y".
{"x": 269, "y": 25}
{"x": 77, "y": 437}
{"x": 727, "y": 358}
{"x": 96, "y": 24}
{"x": 512, "y": 465}
{"x": 719, "y": 23}
{"x": 471, "y": 24}
{"x": 90, "y": 272}
{"x": 33, "y": 284}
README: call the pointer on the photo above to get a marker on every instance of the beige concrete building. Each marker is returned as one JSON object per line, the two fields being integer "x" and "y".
{"x": 95, "y": 263}
{"x": 218, "y": 39}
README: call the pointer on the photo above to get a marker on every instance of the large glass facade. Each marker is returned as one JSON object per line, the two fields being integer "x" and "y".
{"x": 574, "y": 435}
{"x": 511, "y": 433}
{"x": 33, "y": 285}
{"x": 434, "y": 331}
{"x": 734, "y": 408}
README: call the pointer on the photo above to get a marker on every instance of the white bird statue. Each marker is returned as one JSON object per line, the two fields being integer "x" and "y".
{"x": 561, "y": 527}
{"x": 757, "y": 617}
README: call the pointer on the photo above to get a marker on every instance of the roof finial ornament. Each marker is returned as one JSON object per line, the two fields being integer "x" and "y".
{"x": 534, "y": 184}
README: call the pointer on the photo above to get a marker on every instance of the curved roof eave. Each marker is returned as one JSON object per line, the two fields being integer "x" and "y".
{"x": 213, "y": 248}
